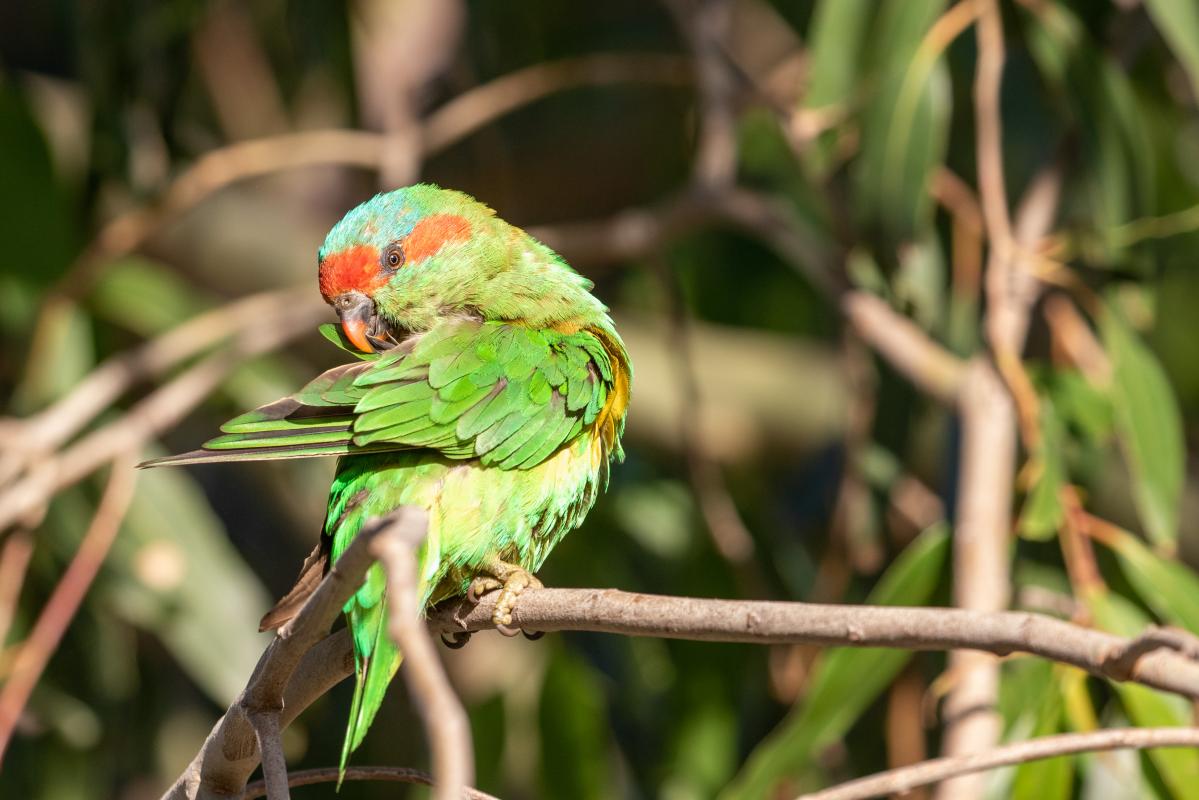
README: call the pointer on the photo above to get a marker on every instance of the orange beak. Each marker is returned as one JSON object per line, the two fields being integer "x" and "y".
{"x": 355, "y": 330}
{"x": 356, "y": 311}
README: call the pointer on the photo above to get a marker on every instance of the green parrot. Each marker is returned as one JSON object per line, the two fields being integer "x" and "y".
{"x": 491, "y": 391}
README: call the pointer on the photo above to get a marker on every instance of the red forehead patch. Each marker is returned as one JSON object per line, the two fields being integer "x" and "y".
{"x": 431, "y": 233}
{"x": 355, "y": 269}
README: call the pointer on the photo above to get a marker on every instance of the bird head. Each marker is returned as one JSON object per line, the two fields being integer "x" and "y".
{"x": 405, "y": 259}
{"x": 399, "y": 260}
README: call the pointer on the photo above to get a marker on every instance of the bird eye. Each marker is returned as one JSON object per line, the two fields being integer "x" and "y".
{"x": 393, "y": 257}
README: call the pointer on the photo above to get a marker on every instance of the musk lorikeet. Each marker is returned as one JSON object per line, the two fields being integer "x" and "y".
{"x": 491, "y": 391}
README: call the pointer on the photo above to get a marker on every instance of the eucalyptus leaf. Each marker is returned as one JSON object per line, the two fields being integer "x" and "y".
{"x": 171, "y": 553}
{"x": 1167, "y": 586}
{"x": 905, "y": 126}
{"x": 1178, "y": 21}
{"x": 1050, "y": 778}
{"x": 1178, "y": 767}
{"x": 1042, "y": 515}
{"x": 1149, "y": 426}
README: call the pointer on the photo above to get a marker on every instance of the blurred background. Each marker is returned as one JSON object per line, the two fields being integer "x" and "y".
{"x": 727, "y": 173}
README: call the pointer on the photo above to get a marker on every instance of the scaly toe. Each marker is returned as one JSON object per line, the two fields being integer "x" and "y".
{"x": 479, "y": 587}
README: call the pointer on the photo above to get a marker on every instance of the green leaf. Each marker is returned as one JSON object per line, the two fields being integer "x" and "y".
{"x": 1167, "y": 586}
{"x": 905, "y": 126}
{"x": 1149, "y": 426}
{"x": 845, "y": 681}
{"x": 920, "y": 281}
{"x": 1178, "y": 21}
{"x": 1179, "y": 768}
{"x": 40, "y": 237}
{"x": 1051, "y": 778}
{"x": 574, "y": 732}
{"x": 179, "y": 577}
{"x": 145, "y": 297}
{"x": 835, "y": 40}
{"x": 1081, "y": 405}
{"x": 65, "y": 354}
{"x": 705, "y": 751}
{"x": 1042, "y": 515}
{"x": 1098, "y": 98}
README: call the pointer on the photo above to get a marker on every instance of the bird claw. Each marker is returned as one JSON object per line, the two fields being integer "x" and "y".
{"x": 479, "y": 587}
{"x": 456, "y": 640}
{"x": 533, "y": 636}
{"x": 511, "y": 580}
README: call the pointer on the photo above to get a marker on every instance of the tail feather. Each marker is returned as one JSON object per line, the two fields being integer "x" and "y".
{"x": 372, "y": 676}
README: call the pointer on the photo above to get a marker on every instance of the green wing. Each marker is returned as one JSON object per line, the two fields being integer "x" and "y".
{"x": 505, "y": 394}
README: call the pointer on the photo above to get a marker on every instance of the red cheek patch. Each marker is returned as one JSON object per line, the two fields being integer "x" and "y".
{"x": 355, "y": 269}
{"x": 428, "y": 235}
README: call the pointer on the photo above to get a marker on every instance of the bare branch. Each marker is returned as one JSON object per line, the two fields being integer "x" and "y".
{"x": 60, "y": 609}
{"x": 14, "y": 563}
{"x": 761, "y": 622}
{"x": 308, "y": 777}
{"x": 443, "y": 128}
{"x": 33, "y": 436}
{"x": 158, "y": 412}
{"x": 446, "y": 724}
{"x": 705, "y": 25}
{"x": 904, "y": 779}
{"x": 988, "y": 406}
{"x": 298, "y": 666}
{"x": 477, "y": 107}
{"x": 908, "y": 349}
{"x": 270, "y": 744}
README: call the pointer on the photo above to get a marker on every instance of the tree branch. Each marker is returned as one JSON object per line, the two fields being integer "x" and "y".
{"x": 308, "y": 777}
{"x": 904, "y": 779}
{"x": 35, "y": 652}
{"x": 909, "y": 350}
{"x": 446, "y": 724}
{"x": 299, "y": 666}
{"x": 760, "y": 622}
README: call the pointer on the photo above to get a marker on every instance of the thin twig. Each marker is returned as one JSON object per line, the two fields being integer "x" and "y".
{"x": 705, "y": 24}
{"x": 31, "y": 437}
{"x": 159, "y": 411}
{"x": 904, "y": 779}
{"x": 64, "y": 601}
{"x": 443, "y": 128}
{"x": 308, "y": 777}
{"x": 908, "y": 349}
{"x": 730, "y": 536}
{"x": 446, "y": 723}
{"x": 475, "y": 108}
{"x": 14, "y": 562}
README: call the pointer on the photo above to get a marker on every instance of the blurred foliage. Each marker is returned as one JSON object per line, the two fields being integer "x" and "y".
{"x": 856, "y": 112}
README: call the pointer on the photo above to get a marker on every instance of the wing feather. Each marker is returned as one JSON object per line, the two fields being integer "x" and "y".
{"x": 506, "y": 394}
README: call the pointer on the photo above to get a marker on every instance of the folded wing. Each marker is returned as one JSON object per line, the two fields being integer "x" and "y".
{"x": 505, "y": 394}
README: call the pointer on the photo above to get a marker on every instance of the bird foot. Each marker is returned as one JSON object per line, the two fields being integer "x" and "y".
{"x": 481, "y": 586}
{"x": 511, "y": 580}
